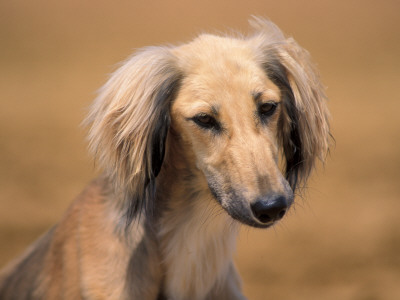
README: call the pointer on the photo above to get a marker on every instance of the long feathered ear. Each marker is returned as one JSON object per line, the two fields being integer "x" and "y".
{"x": 129, "y": 124}
{"x": 304, "y": 125}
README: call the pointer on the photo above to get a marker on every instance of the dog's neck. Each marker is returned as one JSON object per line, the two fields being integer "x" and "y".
{"x": 197, "y": 236}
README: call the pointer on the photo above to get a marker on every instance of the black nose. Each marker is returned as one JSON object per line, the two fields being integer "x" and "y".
{"x": 270, "y": 209}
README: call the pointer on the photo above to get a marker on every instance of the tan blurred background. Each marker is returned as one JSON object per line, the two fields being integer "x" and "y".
{"x": 342, "y": 241}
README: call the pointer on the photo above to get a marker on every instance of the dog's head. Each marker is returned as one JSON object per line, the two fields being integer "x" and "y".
{"x": 232, "y": 107}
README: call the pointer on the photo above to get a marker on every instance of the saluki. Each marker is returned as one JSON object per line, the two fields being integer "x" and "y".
{"x": 193, "y": 141}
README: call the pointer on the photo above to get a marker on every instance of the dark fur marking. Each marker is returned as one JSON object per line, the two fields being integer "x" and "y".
{"x": 237, "y": 209}
{"x": 163, "y": 99}
{"x": 292, "y": 145}
{"x": 214, "y": 187}
{"x": 139, "y": 266}
{"x": 161, "y": 296}
{"x": 22, "y": 283}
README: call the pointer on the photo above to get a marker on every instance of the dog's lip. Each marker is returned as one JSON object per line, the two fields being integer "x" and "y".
{"x": 256, "y": 224}
{"x": 250, "y": 221}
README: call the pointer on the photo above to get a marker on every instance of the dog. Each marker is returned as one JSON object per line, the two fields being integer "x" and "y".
{"x": 193, "y": 141}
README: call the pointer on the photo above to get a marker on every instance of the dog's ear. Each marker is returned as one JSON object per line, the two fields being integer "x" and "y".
{"x": 129, "y": 124}
{"x": 304, "y": 123}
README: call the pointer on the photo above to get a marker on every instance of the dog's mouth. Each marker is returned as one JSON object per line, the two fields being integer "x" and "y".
{"x": 248, "y": 220}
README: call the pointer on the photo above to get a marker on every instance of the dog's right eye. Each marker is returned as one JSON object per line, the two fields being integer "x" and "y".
{"x": 206, "y": 121}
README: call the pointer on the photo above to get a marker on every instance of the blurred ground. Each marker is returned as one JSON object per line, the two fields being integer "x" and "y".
{"x": 341, "y": 242}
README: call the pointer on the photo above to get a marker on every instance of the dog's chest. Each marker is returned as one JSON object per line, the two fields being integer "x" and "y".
{"x": 197, "y": 250}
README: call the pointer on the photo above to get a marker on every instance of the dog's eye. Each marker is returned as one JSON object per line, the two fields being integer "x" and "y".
{"x": 206, "y": 121}
{"x": 267, "y": 109}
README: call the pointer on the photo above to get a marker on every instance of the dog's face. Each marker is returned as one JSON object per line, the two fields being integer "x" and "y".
{"x": 230, "y": 107}
{"x": 226, "y": 115}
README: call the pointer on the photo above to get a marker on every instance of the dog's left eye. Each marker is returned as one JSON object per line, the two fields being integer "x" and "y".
{"x": 267, "y": 109}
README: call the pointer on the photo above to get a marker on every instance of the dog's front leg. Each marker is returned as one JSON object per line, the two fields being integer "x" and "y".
{"x": 230, "y": 288}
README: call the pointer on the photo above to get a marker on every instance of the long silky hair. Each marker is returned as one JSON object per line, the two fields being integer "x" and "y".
{"x": 129, "y": 124}
{"x": 304, "y": 126}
